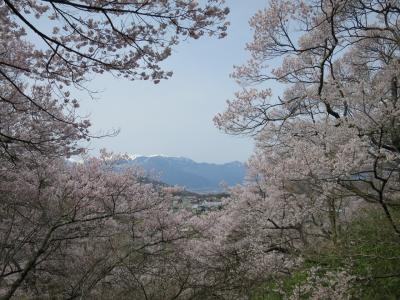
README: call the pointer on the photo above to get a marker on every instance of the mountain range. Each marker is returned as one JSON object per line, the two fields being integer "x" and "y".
{"x": 193, "y": 176}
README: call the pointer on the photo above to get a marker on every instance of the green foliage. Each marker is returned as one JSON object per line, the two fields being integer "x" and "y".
{"x": 367, "y": 247}
{"x": 274, "y": 288}
{"x": 373, "y": 249}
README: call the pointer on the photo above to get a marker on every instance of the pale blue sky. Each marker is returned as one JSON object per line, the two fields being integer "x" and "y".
{"x": 174, "y": 118}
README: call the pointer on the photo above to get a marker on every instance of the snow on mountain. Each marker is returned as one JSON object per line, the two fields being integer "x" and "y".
{"x": 194, "y": 176}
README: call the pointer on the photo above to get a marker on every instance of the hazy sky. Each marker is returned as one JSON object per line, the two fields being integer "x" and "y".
{"x": 174, "y": 118}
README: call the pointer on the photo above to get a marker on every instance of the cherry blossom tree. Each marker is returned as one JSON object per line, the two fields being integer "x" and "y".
{"x": 51, "y": 48}
{"x": 67, "y": 229}
{"x": 328, "y": 143}
{"x": 86, "y": 230}
{"x": 334, "y": 128}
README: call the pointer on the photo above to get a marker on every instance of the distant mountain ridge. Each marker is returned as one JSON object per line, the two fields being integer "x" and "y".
{"x": 194, "y": 176}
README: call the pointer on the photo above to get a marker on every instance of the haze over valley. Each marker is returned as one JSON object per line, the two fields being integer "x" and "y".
{"x": 186, "y": 173}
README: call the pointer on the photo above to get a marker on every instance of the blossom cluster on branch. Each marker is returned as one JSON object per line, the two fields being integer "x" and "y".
{"x": 50, "y": 48}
